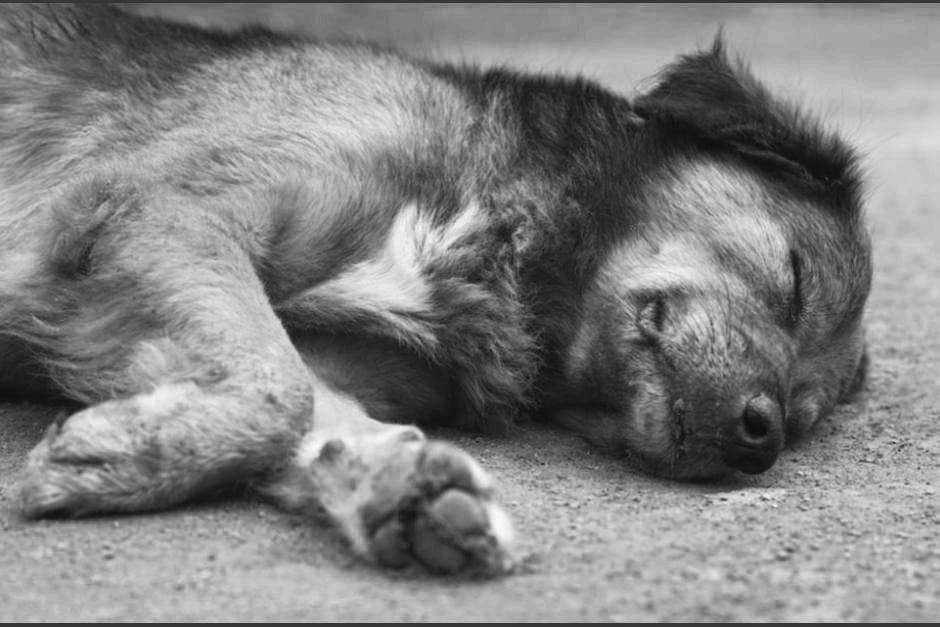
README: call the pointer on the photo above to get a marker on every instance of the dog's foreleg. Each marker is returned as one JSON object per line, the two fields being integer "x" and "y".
{"x": 397, "y": 497}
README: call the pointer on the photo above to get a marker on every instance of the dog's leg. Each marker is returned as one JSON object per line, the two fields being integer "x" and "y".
{"x": 160, "y": 321}
{"x": 161, "y": 324}
{"x": 396, "y": 496}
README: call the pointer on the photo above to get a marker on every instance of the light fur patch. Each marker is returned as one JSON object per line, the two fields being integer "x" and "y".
{"x": 500, "y": 527}
{"x": 707, "y": 207}
{"x": 166, "y": 399}
{"x": 721, "y": 205}
{"x": 335, "y": 415}
{"x": 392, "y": 285}
{"x": 678, "y": 262}
{"x": 17, "y": 268}
{"x": 435, "y": 241}
{"x": 391, "y": 282}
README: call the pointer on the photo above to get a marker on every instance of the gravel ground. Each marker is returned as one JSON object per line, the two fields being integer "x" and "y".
{"x": 844, "y": 528}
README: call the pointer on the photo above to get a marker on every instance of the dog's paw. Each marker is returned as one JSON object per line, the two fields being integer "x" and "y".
{"x": 400, "y": 500}
{"x": 444, "y": 517}
{"x": 79, "y": 467}
{"x": 111, "y": 457}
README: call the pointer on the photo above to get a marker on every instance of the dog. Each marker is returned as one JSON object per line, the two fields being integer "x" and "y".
{"x": 252, "y": 257}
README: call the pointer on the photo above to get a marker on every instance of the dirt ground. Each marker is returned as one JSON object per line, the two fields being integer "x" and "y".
{"x": 844, "y": 528}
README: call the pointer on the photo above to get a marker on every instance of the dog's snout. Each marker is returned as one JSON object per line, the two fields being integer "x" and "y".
{"x": 753, "y": 440}
{"x": 761, "y": 415}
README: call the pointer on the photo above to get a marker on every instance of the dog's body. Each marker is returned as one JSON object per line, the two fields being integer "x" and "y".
{"x": 234, "y": 249}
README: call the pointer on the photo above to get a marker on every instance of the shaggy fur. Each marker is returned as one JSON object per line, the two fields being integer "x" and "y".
{"x": 231, "y": 250}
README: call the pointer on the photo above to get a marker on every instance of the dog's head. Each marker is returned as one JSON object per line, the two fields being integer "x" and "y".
{"x": 729, "y": 317}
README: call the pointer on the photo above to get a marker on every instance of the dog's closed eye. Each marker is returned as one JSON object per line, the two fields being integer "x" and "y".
{"x": 795, "y": 300}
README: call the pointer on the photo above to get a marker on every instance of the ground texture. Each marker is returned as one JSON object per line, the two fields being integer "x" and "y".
{"x": 845, "y": 528}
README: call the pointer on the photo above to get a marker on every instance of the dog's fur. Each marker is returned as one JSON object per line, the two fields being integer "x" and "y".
{"x": 235, "y": 250}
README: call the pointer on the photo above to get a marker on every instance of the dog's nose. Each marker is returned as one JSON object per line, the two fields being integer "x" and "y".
{"x": 752, "y": 441}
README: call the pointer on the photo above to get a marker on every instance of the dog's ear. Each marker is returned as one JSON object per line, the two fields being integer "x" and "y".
{"x": 704, "y": 83}
{"x": 719, "y": 102}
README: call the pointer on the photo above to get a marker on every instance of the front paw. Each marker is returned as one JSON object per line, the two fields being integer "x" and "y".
{"x": 402, "y": 500}
{"x": 445, "y": 518}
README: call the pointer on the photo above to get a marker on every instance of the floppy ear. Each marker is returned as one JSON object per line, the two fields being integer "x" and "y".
{"x": 719, "y": 102}
{"x": 705, "y": 83}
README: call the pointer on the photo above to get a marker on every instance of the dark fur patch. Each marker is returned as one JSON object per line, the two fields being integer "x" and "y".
{"x": 719, "y": 104}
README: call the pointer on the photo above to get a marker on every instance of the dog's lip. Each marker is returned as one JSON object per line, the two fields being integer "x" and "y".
{"x": 755, "y": 465}
{"x": 755, "y": 460}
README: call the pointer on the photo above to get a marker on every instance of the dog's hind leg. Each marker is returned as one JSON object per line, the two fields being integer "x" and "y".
{"x": 157, "y": 320}
{"x": 397, "y": 497}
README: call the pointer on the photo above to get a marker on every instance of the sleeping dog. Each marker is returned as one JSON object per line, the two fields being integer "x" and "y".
{"x": 245, "y": 255}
